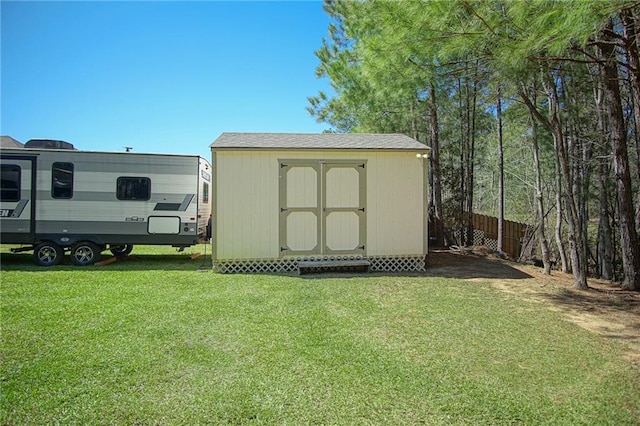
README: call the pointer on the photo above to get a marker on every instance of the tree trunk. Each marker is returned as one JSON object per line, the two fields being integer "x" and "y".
{"x": 544, "y": 244}
{"x": 604, "y": 246}
{"x": 463, "y": 150}
{"x": 631, "y": 21}
{"x": 562, "y": 251}
{"x": 613, "y": 105}
{"x": 414, "y": 121}
{"x": 533, "y": 110}
{"x": 578, "y": 262}
{"x": 438, "y": 217}
{"x": 578, "y": 258}
{"x": 500, "y": 176}
{"x": 471, "y": 137}
{"x": 605, "y": 249}
{"x": 580, "y": 152}
{"x": 536, "y": 115}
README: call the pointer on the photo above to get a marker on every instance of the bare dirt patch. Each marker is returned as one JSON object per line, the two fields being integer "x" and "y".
{"x": 604, "y": 308}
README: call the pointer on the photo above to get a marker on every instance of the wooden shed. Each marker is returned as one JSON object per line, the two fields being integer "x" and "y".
{"x": 281, "y": 201}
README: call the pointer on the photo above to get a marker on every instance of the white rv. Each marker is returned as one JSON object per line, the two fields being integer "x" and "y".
{"x": 54, "y": 201}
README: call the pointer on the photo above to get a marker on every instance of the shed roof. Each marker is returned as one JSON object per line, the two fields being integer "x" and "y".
{"x": 392, "y": 141}
{"x": 9, "y": 142}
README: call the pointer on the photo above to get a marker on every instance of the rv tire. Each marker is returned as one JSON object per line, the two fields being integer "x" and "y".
{"x": 85, "y": 253}
{"x": 47, "y": 253}
{"x": 121, "y": 249}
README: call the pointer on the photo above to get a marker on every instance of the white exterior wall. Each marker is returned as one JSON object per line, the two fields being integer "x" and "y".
{"x": 245, "y": 207}
{"x": 396, "y": 209}
{"x": 246, "y": 204}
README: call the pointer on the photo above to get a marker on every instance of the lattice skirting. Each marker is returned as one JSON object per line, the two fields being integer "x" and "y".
{"x": 397, "y": 263}
{"x": 413, "y": 263}
{"x": 479, "y": 239}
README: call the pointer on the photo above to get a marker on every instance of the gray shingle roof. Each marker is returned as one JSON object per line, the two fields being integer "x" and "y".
{"x": 316, "y": 141}
{"x": 9, "y": 142}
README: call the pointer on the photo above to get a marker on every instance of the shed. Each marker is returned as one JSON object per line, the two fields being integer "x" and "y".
{"x": 283, "y": 199}
{"x": 9, "y": 142}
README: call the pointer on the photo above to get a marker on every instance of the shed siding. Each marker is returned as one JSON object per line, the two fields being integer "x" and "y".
{"x": 246, "y": 210}
{"x": 395, "y": 200}
{"x": 246, "y": 213}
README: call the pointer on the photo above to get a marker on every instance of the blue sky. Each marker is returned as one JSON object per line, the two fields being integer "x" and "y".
{"x": 165, "y": 77}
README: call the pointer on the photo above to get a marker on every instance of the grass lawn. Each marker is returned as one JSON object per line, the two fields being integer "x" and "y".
{"x": 156, "y": 340}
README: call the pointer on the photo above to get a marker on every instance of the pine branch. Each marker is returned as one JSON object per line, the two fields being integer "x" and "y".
{"x": 562, "y": 59}
{"x": 472, "y": 9}
{"x": 534, "y": 110}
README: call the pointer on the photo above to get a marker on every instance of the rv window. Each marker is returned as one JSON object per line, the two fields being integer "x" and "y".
{"x": 133, "y": 188}
{"x": 10, "y": 183}
{"x": 62, "y": 180}
{"x": 205, "y": 192}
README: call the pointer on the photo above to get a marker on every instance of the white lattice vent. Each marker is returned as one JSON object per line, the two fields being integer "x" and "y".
{"x": 479, "y": 239}
{"x": 492, "y": 244}
{"x": 250, "y": 266}
{"x": 397, "y": 263}
{"x": 378, "y": 264}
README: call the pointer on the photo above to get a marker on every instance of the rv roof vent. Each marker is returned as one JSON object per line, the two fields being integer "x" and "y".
{"x": 48, "y": 144}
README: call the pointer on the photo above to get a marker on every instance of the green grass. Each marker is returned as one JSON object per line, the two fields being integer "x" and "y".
{"x": 156, "y": 341}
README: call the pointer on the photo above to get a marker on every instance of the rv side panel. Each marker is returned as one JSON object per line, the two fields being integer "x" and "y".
{"x": 17, "y": 207}
{"x": 108, "y": 198}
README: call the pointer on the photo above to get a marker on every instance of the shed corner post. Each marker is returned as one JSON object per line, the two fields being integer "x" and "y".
{"x": 425, "y": 202}
{"x": 214, "y": 208}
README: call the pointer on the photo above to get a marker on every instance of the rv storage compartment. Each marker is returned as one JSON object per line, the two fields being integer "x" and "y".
{"x": 164, "y": 225}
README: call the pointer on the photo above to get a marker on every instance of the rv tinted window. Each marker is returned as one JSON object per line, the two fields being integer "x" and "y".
{"x": 133, "y": 188}
{"x": 10, "y": 183}
{"x": 62, "y": 180}
{"x": 205, "y": 192}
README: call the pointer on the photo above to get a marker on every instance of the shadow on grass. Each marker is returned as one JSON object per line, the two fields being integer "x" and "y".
{"x": 611, "y": 312}
{"x": 442, "y": 263}
{"x": 439, "y": 264}
{"x": 142, "y": 262}
{"x": 598, "y": 301}
{"x": 595, "y": 299}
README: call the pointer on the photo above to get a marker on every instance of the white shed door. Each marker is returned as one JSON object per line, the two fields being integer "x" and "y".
{"x": 300, "y": 209}
{"x": 322, "y": 207}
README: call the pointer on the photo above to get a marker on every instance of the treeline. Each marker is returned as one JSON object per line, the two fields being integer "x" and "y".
{"x": 530, "y": 108}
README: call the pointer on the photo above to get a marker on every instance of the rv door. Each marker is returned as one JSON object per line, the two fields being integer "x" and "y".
{"x": 17, "y": 198}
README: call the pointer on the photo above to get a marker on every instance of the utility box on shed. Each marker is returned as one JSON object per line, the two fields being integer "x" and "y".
{"x": 283, "y": 199}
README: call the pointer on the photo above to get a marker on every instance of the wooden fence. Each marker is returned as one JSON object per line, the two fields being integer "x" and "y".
{"x": 485, "y": 233}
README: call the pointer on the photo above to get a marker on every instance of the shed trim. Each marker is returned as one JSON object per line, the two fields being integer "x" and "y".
{"x": 305, "y": 149}
{"x": 305, "y": 141}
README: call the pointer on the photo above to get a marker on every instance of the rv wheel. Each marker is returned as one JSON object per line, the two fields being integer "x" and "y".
{"x": 47, "y": 254}
{"x": 84, "y": 253}
{"x": 121, "y": 249}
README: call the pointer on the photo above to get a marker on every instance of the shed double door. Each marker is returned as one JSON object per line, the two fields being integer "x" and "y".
{"x": 322, "y": 207}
